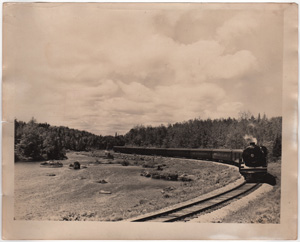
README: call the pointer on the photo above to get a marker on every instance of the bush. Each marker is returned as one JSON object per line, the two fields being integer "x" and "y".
{"x": 155, "y": 176}
{"x": 172, "y": 177}
{"x": 149, "y": 164}
{"x": 125, "y": 163}
{"x": 76, "y": 165}
{"x": 160, "y": 175}
{"x": 109, "y": 156}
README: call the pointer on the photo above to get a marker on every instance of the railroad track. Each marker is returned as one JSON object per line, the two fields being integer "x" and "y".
{"x": 187, "y": 211}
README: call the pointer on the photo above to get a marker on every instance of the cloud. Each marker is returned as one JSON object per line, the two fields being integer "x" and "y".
{"x": 240, "y": 25}
{"x": 232, "y": 66}
{"x": 106, "y": 71}
{"x": 136, "y": 92}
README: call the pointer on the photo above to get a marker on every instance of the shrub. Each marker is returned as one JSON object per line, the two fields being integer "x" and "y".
{"x": 172, "y": 176}
{"x": 155, "y": 176}
{"x": 110, "y": 156}
{"x": 76, "y": 165}
{"x": 124, "y": 163}
{"x": 149, "y": 164}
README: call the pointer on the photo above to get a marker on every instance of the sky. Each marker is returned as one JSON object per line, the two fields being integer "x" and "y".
{"x": 107, "y": 68}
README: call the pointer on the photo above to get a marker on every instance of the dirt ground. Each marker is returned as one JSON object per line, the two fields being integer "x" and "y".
{"x": 106, "y": 190}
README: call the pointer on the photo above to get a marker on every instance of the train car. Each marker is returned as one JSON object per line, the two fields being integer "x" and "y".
{"x": 237, "y": 154}
{"x": 252, "y": 161}
{"x": 147, "y": 151}
{"x": 185, "y": 153}
{"x": 222, "y": 155}
{"x": 201, "y": 154}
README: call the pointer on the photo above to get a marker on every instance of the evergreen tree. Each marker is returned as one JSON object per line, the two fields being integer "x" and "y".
{"x": 35, "y": 141}
{"x": 277, "y": 147}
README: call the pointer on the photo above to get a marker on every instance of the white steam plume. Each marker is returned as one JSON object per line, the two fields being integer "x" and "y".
{"x": 250, "y": 138}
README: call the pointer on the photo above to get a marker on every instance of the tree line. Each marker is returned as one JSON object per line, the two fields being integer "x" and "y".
{"x": 227, "y": 133}
{"x": 41, "y": 141}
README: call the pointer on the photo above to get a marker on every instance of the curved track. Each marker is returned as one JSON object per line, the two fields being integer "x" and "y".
{"x": 189, "y": 210}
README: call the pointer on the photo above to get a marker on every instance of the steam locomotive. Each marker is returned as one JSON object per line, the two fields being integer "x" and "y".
{"x": 253, "y": 165}
{"x": 252, "y": 161}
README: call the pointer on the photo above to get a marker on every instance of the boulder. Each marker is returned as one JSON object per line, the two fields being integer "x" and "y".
{"x": 104, "y": 192}
{"x": 76, "y": 165}
{"x": 51, "y": 174}
{"x": 186, "y": 178}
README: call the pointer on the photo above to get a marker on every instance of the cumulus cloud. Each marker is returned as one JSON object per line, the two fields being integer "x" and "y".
{"x": 232, "y": 66}
{"x": 136, "y": 92}
{"x": 106, "y": 71}
{"x": 240, "y": 25}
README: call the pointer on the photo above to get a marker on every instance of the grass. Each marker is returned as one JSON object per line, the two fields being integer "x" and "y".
{"x": 76, "y": 194}
{"x": 265, "y": 209}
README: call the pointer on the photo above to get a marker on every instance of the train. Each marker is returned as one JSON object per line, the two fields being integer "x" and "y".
{"x": 252, "y": 161}
{"x": 230, "y": 156}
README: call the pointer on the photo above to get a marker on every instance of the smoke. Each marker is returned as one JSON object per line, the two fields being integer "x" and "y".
{"x": 250, "y": 138}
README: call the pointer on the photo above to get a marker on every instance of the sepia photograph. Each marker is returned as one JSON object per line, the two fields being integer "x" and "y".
{"x": 183, "y": 115}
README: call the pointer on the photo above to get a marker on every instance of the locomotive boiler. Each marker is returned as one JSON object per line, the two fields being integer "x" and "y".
{"x": 254, "y": 156}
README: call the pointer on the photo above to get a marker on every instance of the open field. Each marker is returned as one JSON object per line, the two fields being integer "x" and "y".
{"x": 107, "y": 191}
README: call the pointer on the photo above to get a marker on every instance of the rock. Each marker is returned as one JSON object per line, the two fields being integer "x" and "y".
{"x": 172, "y": 177}
{"x": 124, "y": 163}
{"x": 76, "y": 165}
{"x": 51, "y": 174}
{"x": 146, "y": 174}
{"x": 163, "y": 176}
{"x": 52, "y": 164}
{"x": 143, "y": 201}
{"x": 168, "y": 189}
{"x": 101, "y": 181}
{"x": 108, "y": 155}
{"x": 155, "y": 176}
{"x": 104, "y": 192}
{"x": 159, "y": 168}
{"x": 186, "y": 178}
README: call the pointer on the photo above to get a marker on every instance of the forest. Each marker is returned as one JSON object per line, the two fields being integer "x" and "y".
{"x": 218, "y": 133}
{"x": 41, "y": 141}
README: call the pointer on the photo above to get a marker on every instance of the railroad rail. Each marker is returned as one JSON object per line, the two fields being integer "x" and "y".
{"x": 183, "y": 213}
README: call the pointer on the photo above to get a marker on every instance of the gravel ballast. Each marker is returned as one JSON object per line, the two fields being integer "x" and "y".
{"x": 220, "y": 214}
